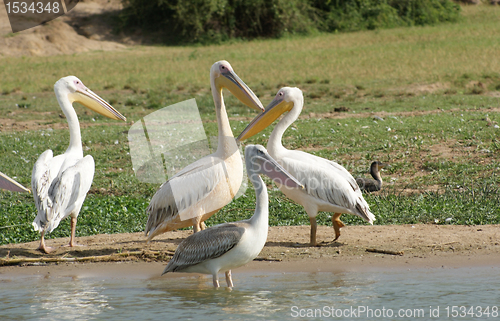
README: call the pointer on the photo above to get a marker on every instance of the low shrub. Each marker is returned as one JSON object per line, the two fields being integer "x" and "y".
{"x": 213, "y": 21}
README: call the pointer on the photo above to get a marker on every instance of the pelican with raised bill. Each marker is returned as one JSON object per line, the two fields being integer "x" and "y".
{"x": 227, "y": 246}
{"x": 329, "y": 187}
{"x": 202, "y": 188}
{"x": 60, "y": 184}
{"x": 11, "y": 185}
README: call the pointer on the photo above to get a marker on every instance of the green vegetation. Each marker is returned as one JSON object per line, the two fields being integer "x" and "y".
{"x": 102, "y": 214}
{"x": 435, "y": 87}
{"x": 213, "y": 21}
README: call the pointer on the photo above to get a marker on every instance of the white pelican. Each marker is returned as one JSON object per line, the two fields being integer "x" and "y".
{"x": 375, "y": 184}
{"x": 226, "y": 246}
{"x": 9, "y": 184}
{"x": 328, "y": 186}
{"x": 61, "y": 183}
{"x": 202, "y": 188}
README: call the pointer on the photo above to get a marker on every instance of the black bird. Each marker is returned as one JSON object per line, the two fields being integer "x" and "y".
{"x": 372, "y": 185}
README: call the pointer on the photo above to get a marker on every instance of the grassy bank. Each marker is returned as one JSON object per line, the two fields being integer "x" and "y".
{"x": 374, "y": 60}
{"x": 436, "y": 89}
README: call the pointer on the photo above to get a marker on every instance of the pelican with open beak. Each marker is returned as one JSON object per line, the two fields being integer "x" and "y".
{"x": 329, "y": 186}
{"x": 60, "y": 184}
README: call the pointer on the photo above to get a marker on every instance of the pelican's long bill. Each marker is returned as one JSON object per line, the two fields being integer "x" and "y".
{"x": 9, "y": 184}
{"x": 276, "y": 108}
{"x": 269, "y": 166}
{"x": 91, "y": 100}
{"x": 238, "y": 88}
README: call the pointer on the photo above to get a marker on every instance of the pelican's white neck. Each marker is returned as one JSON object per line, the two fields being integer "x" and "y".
{"x": 274, "y": 144}
{"x": 75, "y": 141}
{"x": 260, "y": 219}
{"x": 226, "y": 142}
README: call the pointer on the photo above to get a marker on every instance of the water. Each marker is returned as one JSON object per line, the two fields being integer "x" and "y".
{"x": 389, "y": 294}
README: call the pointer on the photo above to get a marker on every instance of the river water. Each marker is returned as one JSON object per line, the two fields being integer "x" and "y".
{"x": 467, "y": 293}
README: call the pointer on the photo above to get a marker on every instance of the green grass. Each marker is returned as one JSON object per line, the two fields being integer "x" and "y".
{"x": 435, "y": 88}
{"x": 372, "y": 59}
{"x": 100, "y": 215}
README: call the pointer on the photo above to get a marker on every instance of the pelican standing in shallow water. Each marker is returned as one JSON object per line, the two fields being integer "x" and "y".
{"x": 375, "y": 184}
{"x": 224, "y": 247}
{"x": 205, "y": 186}
{"x": 328, "y": 186}
{"x": 60, "y": 184}
{"x": 9, "y": 184}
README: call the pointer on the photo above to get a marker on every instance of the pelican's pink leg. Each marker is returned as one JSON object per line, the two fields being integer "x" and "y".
{"x": 216, "y": 280}
{"x": 198, "y": 225}
{"x": 337, "y": 225}
{"x": 229, "y": 280}
{"x": 314, "y": 227}
{"x": 72, "y": 241}
{"x": 42, "y": 246}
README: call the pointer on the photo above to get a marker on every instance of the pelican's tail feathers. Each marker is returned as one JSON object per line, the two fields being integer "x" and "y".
{"x": 40, "y": 225}
{"x": 364, "y": 211}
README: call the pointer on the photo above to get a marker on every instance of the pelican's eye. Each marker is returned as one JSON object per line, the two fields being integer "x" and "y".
{"x": 280, "y": 94}
{"x": 224, "y": 68}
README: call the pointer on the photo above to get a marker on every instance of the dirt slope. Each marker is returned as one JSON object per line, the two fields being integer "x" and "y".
{"x": 82, "y": 29}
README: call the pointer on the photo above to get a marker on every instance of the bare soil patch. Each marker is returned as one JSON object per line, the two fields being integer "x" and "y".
{"x": 384, "y": 114}
{"x": 68, "y": 34}
{"x": 418, "y": 89}
{"x": 421, "y": 245}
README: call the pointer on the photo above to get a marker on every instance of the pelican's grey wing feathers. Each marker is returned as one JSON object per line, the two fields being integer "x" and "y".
{"x": 207, "y": 244}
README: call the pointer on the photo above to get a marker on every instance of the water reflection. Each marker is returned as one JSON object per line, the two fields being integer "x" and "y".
{"x": 256, "y": 297}
{"x": 67, "y": 298}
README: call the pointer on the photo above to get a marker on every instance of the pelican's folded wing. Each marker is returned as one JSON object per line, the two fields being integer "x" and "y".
{"x": 329, "y": 182}
{"x": 66, "y": 194}
{"x": 40, "y": 184}
{"x": 185, "y": 189}
{"x": 205, "y": 245}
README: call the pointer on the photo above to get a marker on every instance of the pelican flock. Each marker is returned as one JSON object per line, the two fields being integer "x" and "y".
{"x": 205, "y": 186}
{"x": 226, "y": 246}
{"x": 328, "y": 186}
{"x": 375, "y": 184}
{"x": 11, "y": 185}
{"x": 60, "y": 184}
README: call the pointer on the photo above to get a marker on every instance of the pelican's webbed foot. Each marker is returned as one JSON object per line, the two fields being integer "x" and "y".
{"x": 337, "y": 225}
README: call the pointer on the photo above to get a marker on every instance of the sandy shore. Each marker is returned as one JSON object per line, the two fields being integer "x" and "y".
{"x": 421, "y": 246}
